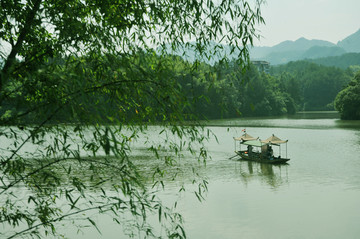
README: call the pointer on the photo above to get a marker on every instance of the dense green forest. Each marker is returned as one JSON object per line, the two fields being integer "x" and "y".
{"x": 220, "y": 91}
{"x": 347, "y": 102}
{"x": 296, "y": 86}
{"x": 235, "y": 93}
{"x": 317, "y": 85}
{"x": 122, "y": 76}
{"x": 344, "y": 61}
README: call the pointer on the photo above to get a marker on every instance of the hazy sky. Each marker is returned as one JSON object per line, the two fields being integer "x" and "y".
{"x": 330, "y": 20}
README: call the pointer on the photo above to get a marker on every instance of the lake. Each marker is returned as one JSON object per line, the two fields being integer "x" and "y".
{"x": 316, "y": 195}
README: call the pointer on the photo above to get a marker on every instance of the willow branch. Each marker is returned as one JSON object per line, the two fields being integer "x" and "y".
{"x": 62, "y": 217}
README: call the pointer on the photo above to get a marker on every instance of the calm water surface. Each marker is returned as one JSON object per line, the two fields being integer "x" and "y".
{"x": 316, "y": 195}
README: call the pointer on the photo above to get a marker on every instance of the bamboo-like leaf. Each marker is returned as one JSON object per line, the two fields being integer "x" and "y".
{"x": 94, "y": 224}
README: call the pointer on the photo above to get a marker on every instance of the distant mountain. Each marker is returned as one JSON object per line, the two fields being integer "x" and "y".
{"x": 323, "y": 51}
{"x": 351, "y": 43}
{"x": 281, "y": 57}
{"x": 344, "y": 61}
{"x": 301, "y": 44}
{"x": 189, "y": 53}
{"x": 281, "y": 53}
{"x": 259, "y": 52}
{"x": 306, "y": 49}
{"x": 294, "y": 50}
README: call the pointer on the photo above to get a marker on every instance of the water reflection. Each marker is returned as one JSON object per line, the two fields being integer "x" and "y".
{"x": 273, "y": 175}
{"x": 301, "y": 120}
{"x": 348, "y": 124}
{"x": 316, "y": 115}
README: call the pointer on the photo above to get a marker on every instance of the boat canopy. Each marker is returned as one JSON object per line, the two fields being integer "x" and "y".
{"x": 256, "y": 143}
{"x": 274, "y": 140}
{"x": 245, "y": 137}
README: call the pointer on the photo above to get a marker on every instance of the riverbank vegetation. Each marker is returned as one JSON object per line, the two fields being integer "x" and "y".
{"x": 317, "y": 85}
{"x": 347, "y": 102}
{"x": 223, "y": 90}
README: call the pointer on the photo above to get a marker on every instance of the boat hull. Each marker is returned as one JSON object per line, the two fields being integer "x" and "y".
{"x": 258, "y": 157}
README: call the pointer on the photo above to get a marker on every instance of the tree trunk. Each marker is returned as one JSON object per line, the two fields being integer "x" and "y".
{"x": 5, "y": 71}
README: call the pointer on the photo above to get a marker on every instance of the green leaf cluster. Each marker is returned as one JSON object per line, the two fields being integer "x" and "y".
{"x": 313, "y": 86}
{"x": 347, "y": 102}
{"x": 227, "y": 91}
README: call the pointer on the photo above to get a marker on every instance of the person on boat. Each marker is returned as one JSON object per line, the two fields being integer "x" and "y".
{"x": 271, "y": 152}
{"x": 249, "y": 149}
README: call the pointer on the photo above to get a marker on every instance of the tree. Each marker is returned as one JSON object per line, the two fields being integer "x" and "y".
{"x": 91, "y": 63}
{"x": 347, "y": 102}
{"x": 318, "y": 84}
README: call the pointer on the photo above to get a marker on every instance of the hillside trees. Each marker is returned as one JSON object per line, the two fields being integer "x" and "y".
{"x": 80, "y": 62}
{"x": 344, "y": 61}
{"x": 230, "y": 92}
{"x": 317, "y": 86}
{"x": 265, "y": 95}
{"x": 347, "y": 102}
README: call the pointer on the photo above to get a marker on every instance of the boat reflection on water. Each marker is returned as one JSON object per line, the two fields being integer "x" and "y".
{"x": 272, "y": 175}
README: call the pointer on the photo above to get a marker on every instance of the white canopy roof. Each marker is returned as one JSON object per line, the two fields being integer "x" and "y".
{"x": 256, "y": 143}
{"x": 274, "y": 140}
{"x": 245, "y": 137}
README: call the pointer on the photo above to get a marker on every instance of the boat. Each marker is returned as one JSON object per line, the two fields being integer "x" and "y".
{"x": 261, "y": 150}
